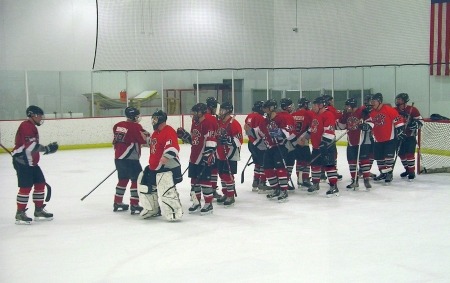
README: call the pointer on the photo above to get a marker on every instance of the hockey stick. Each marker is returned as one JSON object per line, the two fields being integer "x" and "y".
{"x": 185, "y": 171}
{"x": 246, "y": 164}
{"x": 401, "y": 141}
{"x": 98, "y": 185}
{"x": 330, "y": 145}
{"x": 49, "y": 188}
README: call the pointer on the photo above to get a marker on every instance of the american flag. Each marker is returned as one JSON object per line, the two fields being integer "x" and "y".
{"x": 440, "y": 38}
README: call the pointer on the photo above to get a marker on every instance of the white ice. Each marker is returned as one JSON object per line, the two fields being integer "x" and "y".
{"x": 397, "y": 233}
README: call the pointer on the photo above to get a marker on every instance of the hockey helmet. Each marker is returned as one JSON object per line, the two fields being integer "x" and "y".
{"x": 351, "y": 102}
{"x": 327, "y": 98}
{"x": 378, "y": 97}
{"x": 198, "y": 110}
{"x": 257, "y": 107}
{"x": 403, "y": 96}
{"x": 225, "y": 109}
{"x": 133, "y": 114}
{"x": 211, "y": 102}
{"x": 319, "y": 100}
{"x": 34, "y": 110}
{"x": 158, "y": 118}
{"x": 303, "y": 103}
{"x": 286, "y": 104}
{"x": 270, "y": 104}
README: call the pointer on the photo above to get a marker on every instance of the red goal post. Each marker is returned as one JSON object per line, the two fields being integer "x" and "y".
{"x": 433, "y": 152}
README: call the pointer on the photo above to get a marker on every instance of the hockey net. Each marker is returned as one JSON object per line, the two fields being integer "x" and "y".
{"x": 434, "y": 147}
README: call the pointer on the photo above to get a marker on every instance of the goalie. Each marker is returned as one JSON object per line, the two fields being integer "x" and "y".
{"x": 157, "y": 191}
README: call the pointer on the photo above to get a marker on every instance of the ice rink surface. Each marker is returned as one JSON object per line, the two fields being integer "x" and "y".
{"x": 396, "y": 233}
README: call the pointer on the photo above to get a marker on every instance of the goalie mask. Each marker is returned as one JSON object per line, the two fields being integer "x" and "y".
{"x": 133, "y": 114}
{"x": 158, "y": 118}
{"x": 36, "y": 114}
{"x": 198, "y": 111}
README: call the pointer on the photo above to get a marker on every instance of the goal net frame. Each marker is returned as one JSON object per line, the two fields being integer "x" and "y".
{"x": 433, "y": 154}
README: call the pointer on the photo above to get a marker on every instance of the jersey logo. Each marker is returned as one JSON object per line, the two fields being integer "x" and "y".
{"x": 379, "y": 119}
{"x": 153, "y": 143}
{"x": 195, "y": 137}
{"x": 314, "y": 126}
{"x": 352, "y": 123}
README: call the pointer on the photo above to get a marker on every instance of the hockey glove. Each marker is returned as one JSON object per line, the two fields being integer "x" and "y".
{"x": 365, "y": 127}
{"x": 208, "y": 157}
{"x": 51, "y": 148}
{"x": 184, "y": 135}
{"x": 414, "y": 125}
{"x": 276, "y": 133}
{"x": 225, "y": 140}
{"x": 400, "y": 133}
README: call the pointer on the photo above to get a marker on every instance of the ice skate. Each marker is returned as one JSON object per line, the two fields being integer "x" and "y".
{"x": 22, "y": 218}
{"x": 135, "y": 209}
{"x": 276, "y": 193}
{"x": 404, "y": 174}
{"x": 353, "y": 185}
{"x": 229, "y": 202}
{"x": 194, "y": 208}
{"x": 367, "y": 184}
{"x": 264, "y": 189}
{"x": 411, "y": 176}
{"x": 216, "y": 195}
{"x": 388, "y": 178}
{"x": 40, "y": 214}
{"x": 255, "y": 185}
{"x": 314, "y": 188}
{"x": 283, "y": 196}
{"x": 305, "y": 184}
{"x": 380, "y": 177}
{"x": 207, "y": 209}
{"x": 291, "y": 188}
{"x": 221, "y": 200}
{"x": 120, "y": 207}
{"x": 333, "y": 191}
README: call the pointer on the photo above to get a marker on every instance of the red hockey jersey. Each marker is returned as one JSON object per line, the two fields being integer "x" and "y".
{"x": 128, "y": 140}
{"x": 203, "y": 135}
{"x": 254, "y": 120}
{"x": 283, "y": 121}
{"x": 415, "y": 115}
{"x": 322, "y": 125}
{"x": 164, "y": 143}
{"x": 229, "y": 128}
{"x": 27, "y": 142}
{"x": 383, "y": 122}
{"x": 302, "y": 118}
{"x": 351, "y": 122}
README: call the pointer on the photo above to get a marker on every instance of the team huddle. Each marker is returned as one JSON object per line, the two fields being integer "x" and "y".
{"x": 279, "y": 141}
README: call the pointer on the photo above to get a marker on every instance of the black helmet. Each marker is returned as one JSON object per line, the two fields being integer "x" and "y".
{"x": 377, "y": 96}
{"x": 319, "y": 100}
{"x": 211, "y": 102}
{"x": 285, "y": 103}
{"x": 271, "y": 104}
{"x": 199, "y": 107}
{"x": 303, "y": 103}
{"x": 327, "y": 98}
{"x": 403, "y": 96}
{"x": 257, "y": 107}
{"x": 351, "y": 102}
{"x": 158, "y": 118}
{"x": 133, "y": 114}
{"x": 33, "y": 110}
{"x": 225, "y": 109}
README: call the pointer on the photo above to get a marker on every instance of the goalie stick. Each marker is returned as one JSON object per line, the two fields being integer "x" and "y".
{"x": 49, "y": 188}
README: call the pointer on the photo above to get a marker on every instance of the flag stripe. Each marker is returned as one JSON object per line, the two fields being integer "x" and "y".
{"x": 440, "y": 38}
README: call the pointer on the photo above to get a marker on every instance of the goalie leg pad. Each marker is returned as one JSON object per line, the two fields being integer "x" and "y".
{"x": 148, "y": 199}
{"x": 169, "y": 199}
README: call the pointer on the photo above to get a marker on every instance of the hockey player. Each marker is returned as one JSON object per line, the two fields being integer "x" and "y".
{"x": 303, "y": 117}
{"x": 203, "y": 145}
{"x": 359, "y": 144}
{"x": 211, "y": 114}
{"x": 229, "y": 141}
{"x": 276, "y": 132}
{"x": 329, "y": 103}
{"x": 408, "y": 146}
{"x": 286, "y": 106}
{"x": 386, "y": 124}
{"x": 322, "y": 136}
{"x": 256, "y": 145}
{"x": 162, "y": 174}
{"x": 128, "y": 138}
{"x": 26, "y": 155}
